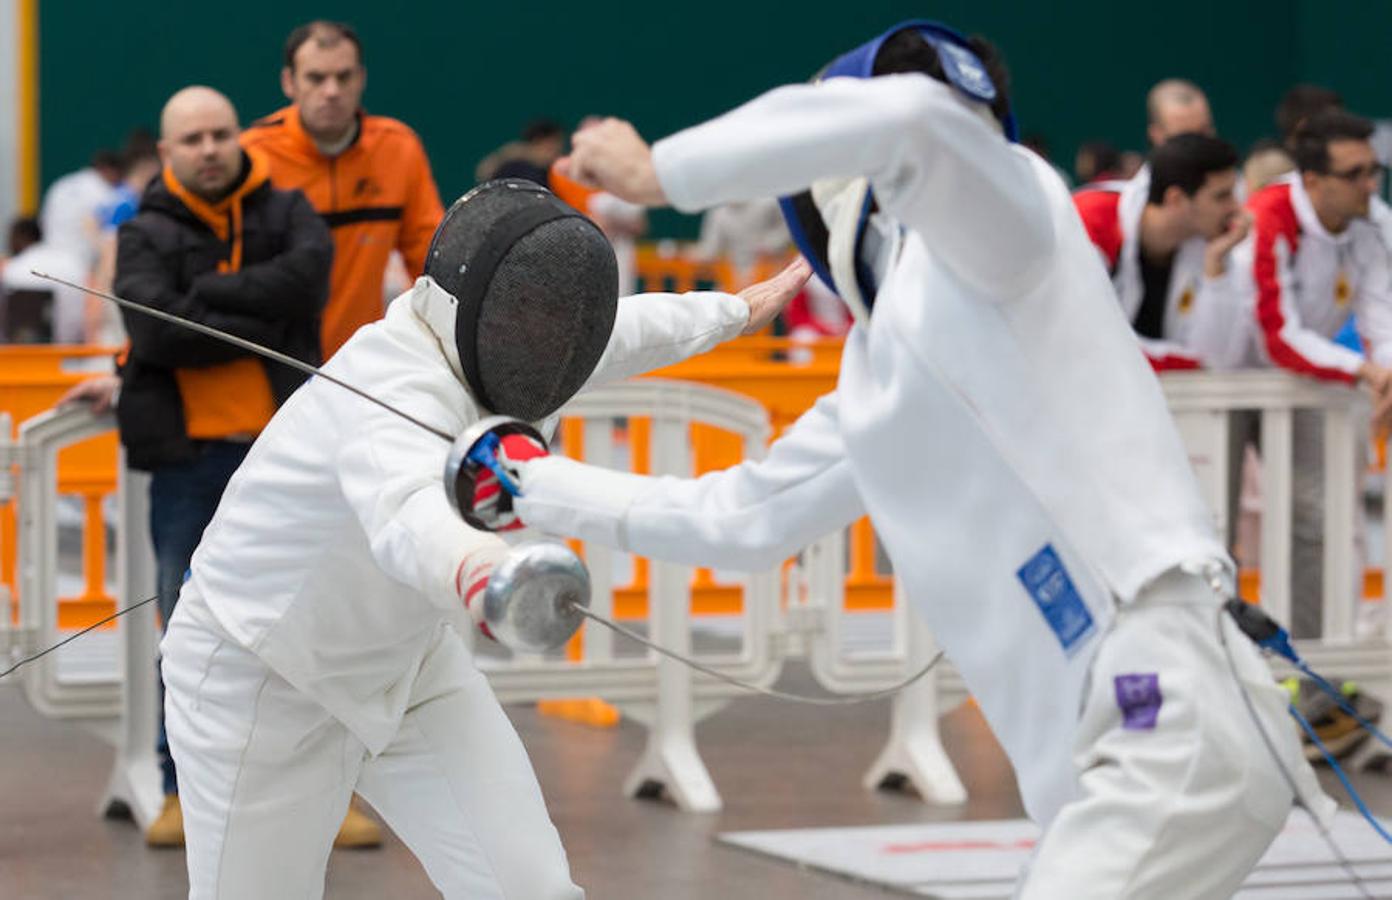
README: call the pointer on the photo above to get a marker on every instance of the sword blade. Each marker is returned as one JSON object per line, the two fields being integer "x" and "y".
{"x": 245, "y": 344}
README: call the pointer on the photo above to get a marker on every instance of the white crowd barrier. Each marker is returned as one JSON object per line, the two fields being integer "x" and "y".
{"x": 1202, "y": 404}
{"x": 122, "y": 710}
{"x": 807, "y": 621}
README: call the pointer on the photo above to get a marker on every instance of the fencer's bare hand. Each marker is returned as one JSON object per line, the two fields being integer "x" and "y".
{"x": 766, "y": 299}
{"x": 611, "y": 156}
{"x": 1217, "y": 250}
{"x": 100, "y": 392}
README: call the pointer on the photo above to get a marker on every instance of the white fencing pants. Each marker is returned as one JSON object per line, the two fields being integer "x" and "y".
{"x": 265, "y": 776}
{"x": 1180, "y": 796}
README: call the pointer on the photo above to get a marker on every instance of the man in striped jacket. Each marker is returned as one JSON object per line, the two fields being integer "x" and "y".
{"x": 1316, "y": 258}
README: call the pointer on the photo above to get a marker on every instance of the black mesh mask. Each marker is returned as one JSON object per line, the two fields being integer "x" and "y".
{"x": 537, "y": 289}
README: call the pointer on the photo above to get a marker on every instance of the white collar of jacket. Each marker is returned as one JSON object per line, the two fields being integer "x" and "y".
{"x": 435, "y": 308}
{"x": 1135, "y": 192}
{"x": 855, "y": 238}
{"x": 1307, "y": 217}
{"x": 1131, "y": 205}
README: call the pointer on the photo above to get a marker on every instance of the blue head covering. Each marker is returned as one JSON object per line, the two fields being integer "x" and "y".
{"x": 964, "y": 72}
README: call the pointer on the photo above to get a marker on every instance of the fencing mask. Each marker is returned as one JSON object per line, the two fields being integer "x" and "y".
{"x": 536, "y": 287}
{"x": 831, "y": 222}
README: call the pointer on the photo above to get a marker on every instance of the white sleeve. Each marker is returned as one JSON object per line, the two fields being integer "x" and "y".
{"x": 1373, "y": 305}
{"x": 656, "y": 330}
{"x": 934, "y": 164}
{"x": 390, "y": 473}
{"x": 748, "y": 517}
{"x": 710, "y": 241}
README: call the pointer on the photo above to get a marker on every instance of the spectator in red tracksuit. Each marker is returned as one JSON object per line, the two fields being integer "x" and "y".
{"x": 1165, "y": 242}
{"x": 1316, "y": 259}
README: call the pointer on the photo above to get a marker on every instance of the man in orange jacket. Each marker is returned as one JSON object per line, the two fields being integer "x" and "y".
{"x": 368, "y": 176}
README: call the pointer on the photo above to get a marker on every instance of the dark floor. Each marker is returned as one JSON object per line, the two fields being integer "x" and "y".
{"x": 777, "y": 765}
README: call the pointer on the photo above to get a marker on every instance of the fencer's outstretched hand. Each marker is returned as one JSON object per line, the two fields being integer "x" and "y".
{"x": 100, "y": 392}
{"x": 766, "y": 299}
{"x": 610, "y": 155}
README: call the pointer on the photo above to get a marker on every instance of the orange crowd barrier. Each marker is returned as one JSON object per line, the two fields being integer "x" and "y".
{"x": 785, "y": 376}
{"x": 677, "y": 272}
{"x": 32, "y": 378}
{"x": 1249, "y": 585}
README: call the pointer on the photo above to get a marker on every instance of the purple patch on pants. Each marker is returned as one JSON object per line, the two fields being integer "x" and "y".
{"x": 1139, "y": 699}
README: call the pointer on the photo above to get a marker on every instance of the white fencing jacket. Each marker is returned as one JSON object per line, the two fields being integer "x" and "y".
{"x": 1208, "y": 321}
{"x": 333, "y": 553}
{"x": 996, "y": 417}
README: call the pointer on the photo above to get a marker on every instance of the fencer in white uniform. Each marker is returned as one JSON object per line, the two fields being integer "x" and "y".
{"x": 996, "y": 420}
{"x": 311, "y": 653}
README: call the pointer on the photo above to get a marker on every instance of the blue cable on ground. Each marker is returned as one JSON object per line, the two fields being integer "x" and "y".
{"x": 1343, "y": 779}
{"x": 1268, "y": 634}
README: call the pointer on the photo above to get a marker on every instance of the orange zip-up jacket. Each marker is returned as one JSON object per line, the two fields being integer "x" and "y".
{"x": 232, "y": 398}
{"x": 376, "y": 196}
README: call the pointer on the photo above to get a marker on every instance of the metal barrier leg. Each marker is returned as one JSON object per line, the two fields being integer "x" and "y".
{"x": 671, "y": 762}
{"x": 1276, "y": 514}
{"x": 1342, "y": 490}
{"x": 914, "y": 755}
{"x": 135, "y": 776}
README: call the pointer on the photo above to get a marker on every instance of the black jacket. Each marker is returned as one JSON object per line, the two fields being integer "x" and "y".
{"x": 167, "y": 257}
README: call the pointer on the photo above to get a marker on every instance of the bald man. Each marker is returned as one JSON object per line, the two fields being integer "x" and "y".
{"x": 212, "y": 242}
{"x": 1175, "y": 106}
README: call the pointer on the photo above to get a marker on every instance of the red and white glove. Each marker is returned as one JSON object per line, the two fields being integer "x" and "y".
{"x": 492, "y": 502}
{"x": 471, "y": 578}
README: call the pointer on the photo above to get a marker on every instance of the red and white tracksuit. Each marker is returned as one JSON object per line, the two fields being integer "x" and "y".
{"x": 1309, "y": 281}
{"x": 1207, "y": 320}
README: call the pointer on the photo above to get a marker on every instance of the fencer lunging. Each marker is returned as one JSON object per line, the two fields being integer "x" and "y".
{"x": 311, "y": 653}
{"x": 997, "y": 422}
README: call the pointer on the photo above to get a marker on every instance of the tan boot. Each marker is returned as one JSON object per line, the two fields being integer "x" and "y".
{"x": 168, "y": 828}
{"x": 358, "y": 831}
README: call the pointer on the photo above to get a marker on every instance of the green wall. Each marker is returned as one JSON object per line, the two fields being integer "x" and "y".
{"x": 466, "y": 76}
